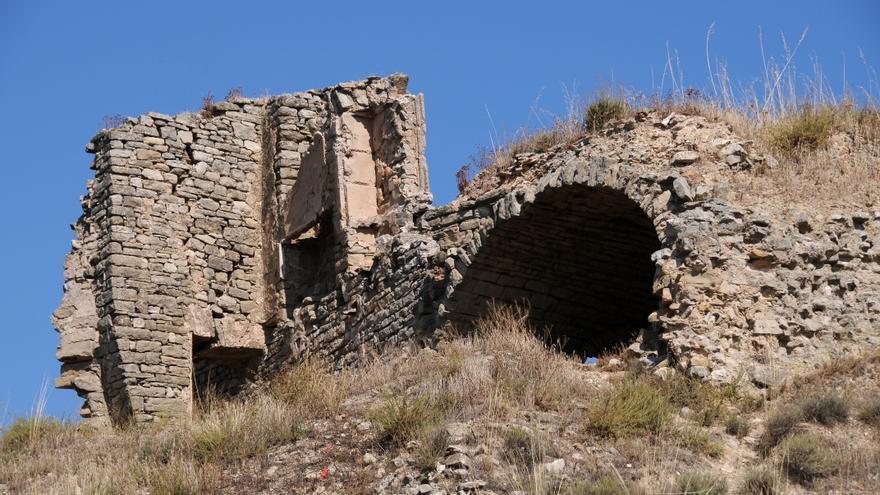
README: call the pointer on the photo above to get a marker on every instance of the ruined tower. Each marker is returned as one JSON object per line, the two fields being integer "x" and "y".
{"x": 216, "y": 248}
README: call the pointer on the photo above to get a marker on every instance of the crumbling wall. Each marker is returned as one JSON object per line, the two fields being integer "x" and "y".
{"x": 751, "y": 291}
{"x": 215, "y": 249}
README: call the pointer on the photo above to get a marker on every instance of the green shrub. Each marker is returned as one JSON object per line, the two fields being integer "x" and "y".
{"x": 605, "y": 485}
{"x": 401, "y": 418}
{"x": 825, "y": 408}
{"x": 761, "y": 480}
{"x": 604, "y": 110}
{"x": 808, "y": 130}
{"x": 701, "y": 483}
{"x": 631, "y": 407}
{"x": 781, "y": 422}
{"x": 870, "y": 413}
{"x": 805, "y": 458}
{"x": 737, "y": 426}
{"x": 706, "y": 400}
{"x": 697, "y": 439}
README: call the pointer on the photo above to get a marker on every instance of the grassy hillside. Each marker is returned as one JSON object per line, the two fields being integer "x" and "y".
{"x": 496, "y": 412}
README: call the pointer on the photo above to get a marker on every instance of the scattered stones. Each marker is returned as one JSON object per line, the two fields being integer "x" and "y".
{"x": 682, "y": 189}
{"x": 685, "y": 158}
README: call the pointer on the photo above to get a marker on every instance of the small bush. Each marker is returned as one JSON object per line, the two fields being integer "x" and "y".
{"x": 781, "y": 422}
{"x": 25, "y": 433}
{"x": 737, "y": 426}
{"x": 605, "y": 485}
{"x": 825, "y": 408}
{"x": 207, "y": 110}
{"x": 701, "y": 483}
{"x": 808, "y": 130}
{"x": 233, "y": 93}
{"x": 762, "y": 480}
{"x": 604, "y": 110}
{"x": 401, "y": 418}
{"x": 432, "y": 445}
{"x": 870, "y": 413}
{"x": 706, "y": 400}
{"x": 633, "y": 406}
{"x": 523, "y": 448}
{"x": 699, "y": 440}
{"x": 805, "y": 458}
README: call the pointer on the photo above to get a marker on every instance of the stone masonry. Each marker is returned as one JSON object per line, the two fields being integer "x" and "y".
{"x": 216, "y": 248}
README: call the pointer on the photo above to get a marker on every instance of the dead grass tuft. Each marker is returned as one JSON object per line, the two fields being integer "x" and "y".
{"x": 311, "y": 388}
{"x": 525, "y": 370}
{"x": 240, "y": 429}
{"x": 761, "y": 480}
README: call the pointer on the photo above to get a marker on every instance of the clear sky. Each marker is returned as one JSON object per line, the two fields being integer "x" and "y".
{"x": 64, "y": 65}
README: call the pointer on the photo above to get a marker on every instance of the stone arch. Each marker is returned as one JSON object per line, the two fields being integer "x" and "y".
{"x": 580, "y": 248}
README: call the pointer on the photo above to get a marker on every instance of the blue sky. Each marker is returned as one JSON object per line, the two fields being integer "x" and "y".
{"x": 65, "y": 65}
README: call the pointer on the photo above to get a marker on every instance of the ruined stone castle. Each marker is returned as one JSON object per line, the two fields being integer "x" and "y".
{"x": 216, "y": 248}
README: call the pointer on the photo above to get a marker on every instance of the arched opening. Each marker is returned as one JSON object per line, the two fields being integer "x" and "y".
{"x": 580, "y": 258}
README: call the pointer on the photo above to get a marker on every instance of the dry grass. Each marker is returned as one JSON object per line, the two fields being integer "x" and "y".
{"x": 502, "y": 375}
{"x": 824, "y": 407}
{"x": 604, "y": 485}
{"x": 311, "y": 388}
{"x": 401, "y": 418}
{"x": 761, "y": 480}
{"x": 805, "y": 131}
{"x": 805, "y": 457}
{"x": 870, "y": 413}
{"x": 780, "y": 423}
{"x": 45, "y": 456}
{"x": 737, "y": 426}
{"x": 603, "y": 110}
{"x": 632, "y": 407}
{"x": 243, "y": 428}
{"x": 433, "y": 442}
{"x": 701, "y": 483}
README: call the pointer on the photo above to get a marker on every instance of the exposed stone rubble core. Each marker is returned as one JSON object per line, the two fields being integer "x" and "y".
{"x": 214, "y": 250}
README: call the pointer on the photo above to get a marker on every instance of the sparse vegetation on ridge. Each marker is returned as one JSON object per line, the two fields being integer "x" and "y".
{"x": 822, "y": 142}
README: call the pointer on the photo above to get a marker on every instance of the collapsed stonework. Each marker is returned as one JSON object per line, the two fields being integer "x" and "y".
{"x": 215, "y": 249}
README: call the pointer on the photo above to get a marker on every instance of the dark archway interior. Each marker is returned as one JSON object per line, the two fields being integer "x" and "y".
{"x": 580, "y": 258}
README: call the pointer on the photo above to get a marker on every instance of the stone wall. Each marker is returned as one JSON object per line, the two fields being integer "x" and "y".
{"x": 215, "y": 249}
